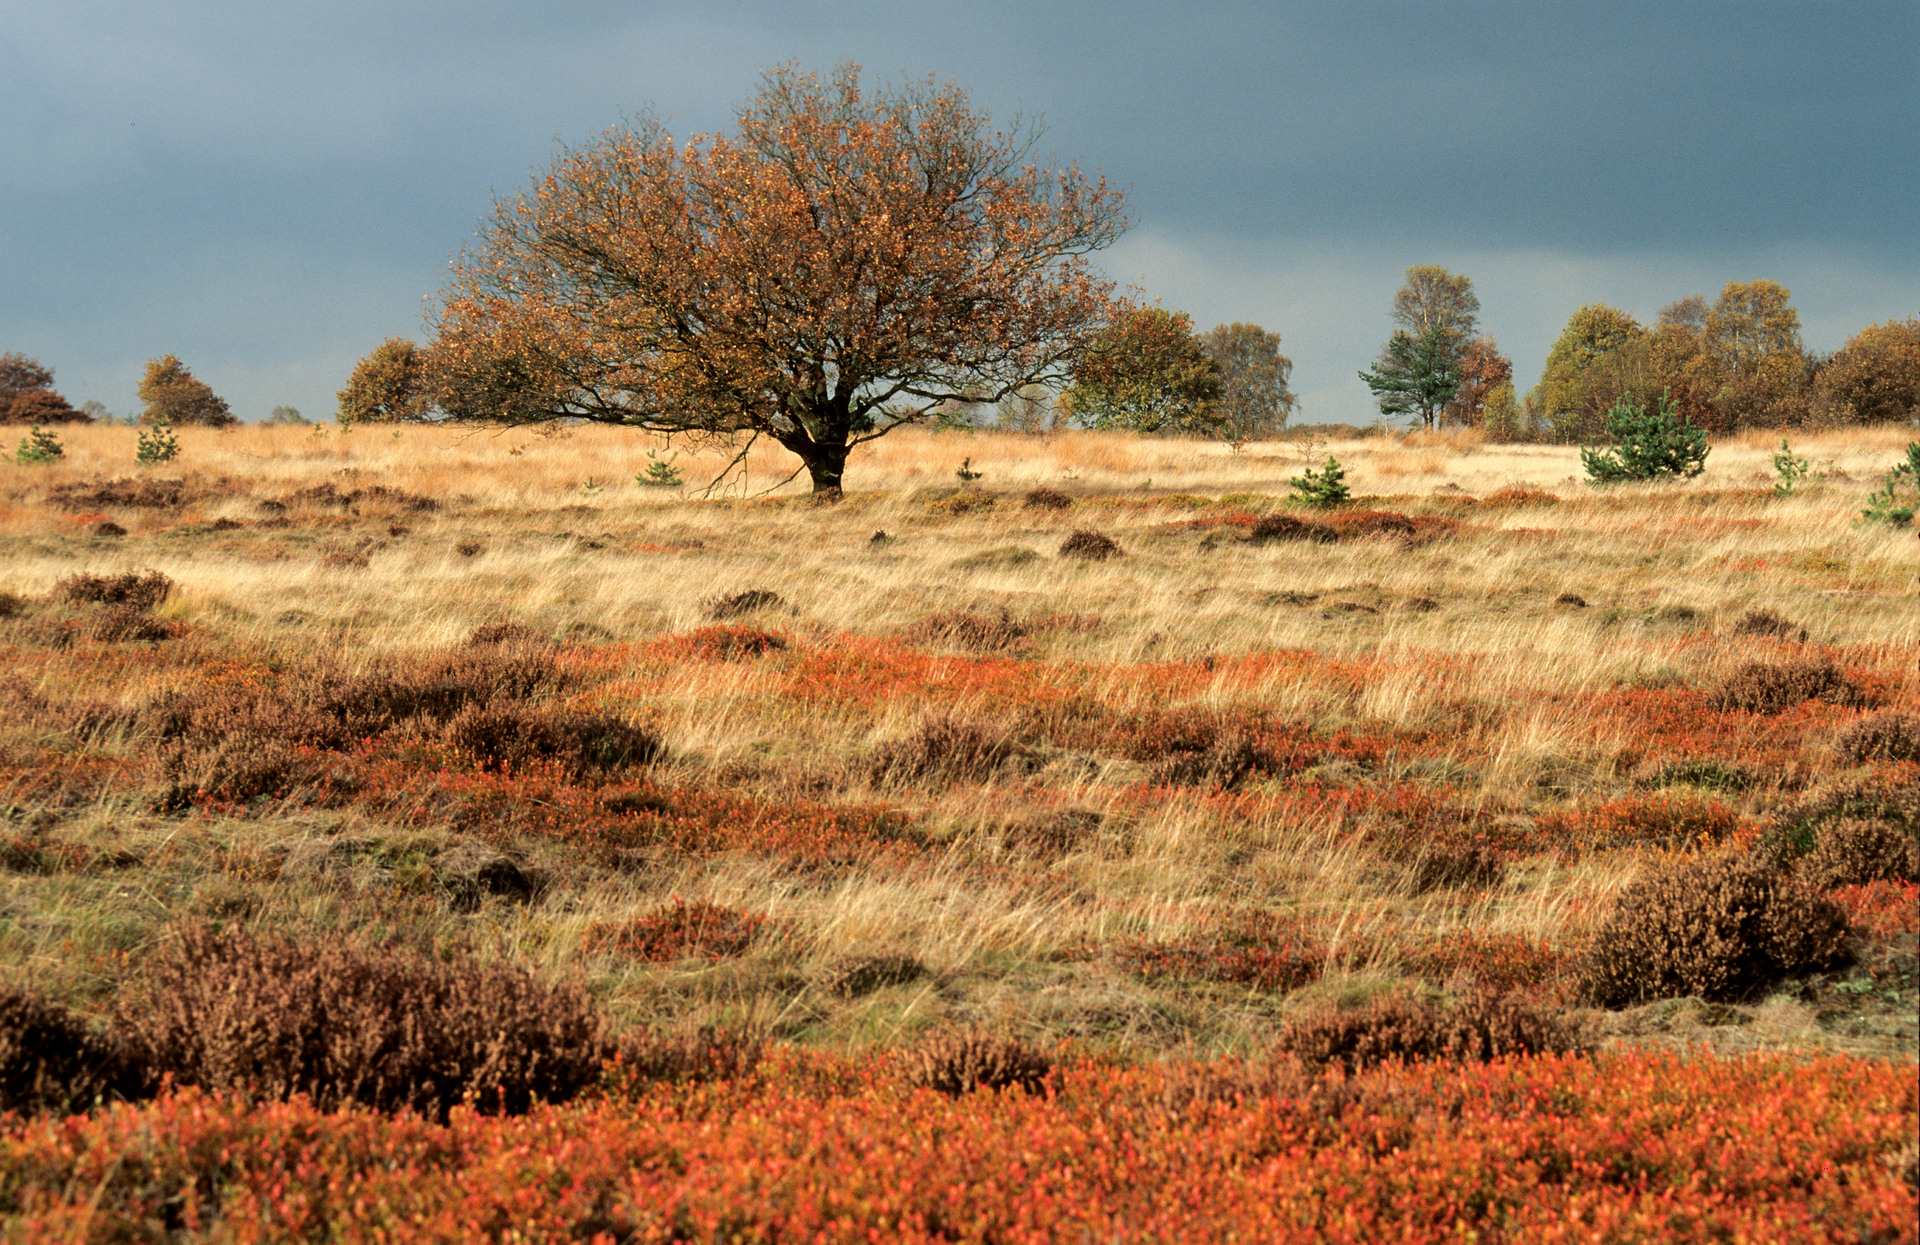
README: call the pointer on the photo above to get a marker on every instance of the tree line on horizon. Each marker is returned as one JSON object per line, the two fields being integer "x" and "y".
{"x": 856, "y": 259}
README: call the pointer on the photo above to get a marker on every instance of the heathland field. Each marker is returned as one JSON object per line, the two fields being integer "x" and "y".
{"x": 426, "y": 834}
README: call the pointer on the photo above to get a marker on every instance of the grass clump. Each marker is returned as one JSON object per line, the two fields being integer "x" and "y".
{"x": 1722, "y": 928}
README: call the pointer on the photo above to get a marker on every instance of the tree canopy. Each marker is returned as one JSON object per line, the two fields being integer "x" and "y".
{"x": 1147, "y": 372}
{"x": 27, "y": 395}
{"x": 1433, "y": 296}
{"x": 845, "y": 264}
{"x": 387, "y": 386}
{"x": 1254, "y": 398}
{"x": 173, "y": 393}
{"x": 1416, "y": 376}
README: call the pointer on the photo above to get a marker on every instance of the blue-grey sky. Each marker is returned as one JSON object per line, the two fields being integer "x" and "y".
{"x": 269, "y": 189}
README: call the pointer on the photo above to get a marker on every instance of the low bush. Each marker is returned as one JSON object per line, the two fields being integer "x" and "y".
{"x": 965, "y": 629}
{"x": 52, "y": 1060}
{"x": 1090, "y": 546}
{"x": 1890, "y": 736}
{"x": 1720, "y": 928}
{"x": 720, "y": 643}
{"x": 1479, "y": 1028}
{"x": 141, "y": 591}
{"x": 722, "y": 608}
{"x": 942, "y": 747}
{"x": 1517, "y": 495}
{"x": 955, "y": 1063}
{"x": 678, "y": 931}
{"x": 1774, "y": 687}
{"x": 491, "y": 634}
{"x": 1770, "y": 625}
{"x": 1274, "y": 527}
{"x": 505, "y": 736}
{"x": 709, "y": 1055}
{"x": 858, "y": 976}
{"x": 1047, "y": 499}
{"x": 1855, "y": 851}
{"x": 344, "y": 1021}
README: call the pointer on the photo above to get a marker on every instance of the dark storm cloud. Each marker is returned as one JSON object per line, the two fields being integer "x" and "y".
{"x": 268, "y": 190}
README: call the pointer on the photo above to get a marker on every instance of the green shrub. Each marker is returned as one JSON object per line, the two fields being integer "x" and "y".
{"x": 38, "y": 447}
{"x": 1899, "y": 494}
{"x": 1789, "y": 469}
{"x": 157, "y": 444}
{"x": 1323, "y": 489}
{"x": 1646, "y": 445}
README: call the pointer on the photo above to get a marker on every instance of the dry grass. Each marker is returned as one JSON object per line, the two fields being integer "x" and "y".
{"x": 1080, "y": 756}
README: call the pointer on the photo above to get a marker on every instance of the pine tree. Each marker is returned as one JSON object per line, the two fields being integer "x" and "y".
{"x": 1646, "y": 445}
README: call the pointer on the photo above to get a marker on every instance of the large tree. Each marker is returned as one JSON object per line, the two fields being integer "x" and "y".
{"x": 849, "y": 261}
{"x": 173, "y": 393}
{"x": 1416, "y": 376}
{"x": 1482, "y": 370}
{"x": 1254, "y": 398}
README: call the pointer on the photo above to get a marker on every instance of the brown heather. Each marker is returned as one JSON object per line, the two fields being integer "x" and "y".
{"x": 943, "y": 747}
{"x": 1853, "y": 851}
{"x": 1480, "y": 1027}
{"x": 1720, "y": 928}
{"x": 1774, "y": 687}
{"x": 343, "y": 1021}
{"x": 955, "y": 1063}
{"x": 140, "y": 591}
{"x": 1770, "y": 625}
{"x": 1090, "y": 546}
{"x": 53, "y": 1060}
{"x": 1889, "y": 736}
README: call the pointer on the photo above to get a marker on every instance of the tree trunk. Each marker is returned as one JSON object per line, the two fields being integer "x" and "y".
{"x": 825, "y": 465}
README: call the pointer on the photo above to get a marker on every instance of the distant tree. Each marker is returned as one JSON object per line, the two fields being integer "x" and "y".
{"x": 1147, "y": 372}
{"x": 19, "y": 374}
{"x": 27, "y": 395}
{"x": 1501, "y": 414}
{"x": 1752, "y": 336}
{"x": 286, "y": 415}
{"x": 1416, "y": 376}
{"x": 1875, "y": 378}
{"x": 1030, "y": 410}
{"x": 1254, "y": 398}
{"x": 1482, "y": 369}
{"x": 388, "y": 386}
{"x": 44, "y": 406}
{"x": 1591, "y": 332}
{"x": 1433, "y": 296}
{"x": 169, "y": 389}
{"x": 852, "y": 260}
{"x": 96, "y": 411}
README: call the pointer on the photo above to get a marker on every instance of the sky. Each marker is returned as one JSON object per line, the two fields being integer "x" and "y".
{"x": 268, "y": 190}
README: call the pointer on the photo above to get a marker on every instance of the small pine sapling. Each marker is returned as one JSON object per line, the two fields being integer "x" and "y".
{"x": 967, "y": 475}
{"x": 1789, "y": 469}
{"x": 1323, "y": 489}
{"x": 157, "y": 445}
{"x": 38, "y": 447}
{"x": 1898, "y": 497}
{"x": 660, "y": 472}
{"x": 1646, "y": 444}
